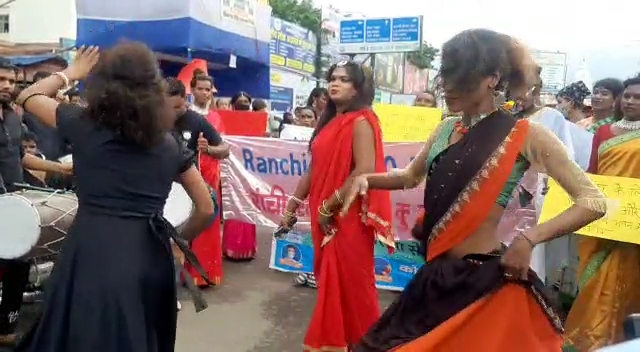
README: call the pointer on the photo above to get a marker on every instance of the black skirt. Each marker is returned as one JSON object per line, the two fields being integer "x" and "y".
{"x": 112, "y": 290}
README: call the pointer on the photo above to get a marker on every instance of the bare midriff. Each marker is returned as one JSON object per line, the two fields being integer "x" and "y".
{"x": 484, "y": 239}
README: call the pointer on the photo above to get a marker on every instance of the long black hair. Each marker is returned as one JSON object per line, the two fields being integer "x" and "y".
{"x": 362, "y": 79}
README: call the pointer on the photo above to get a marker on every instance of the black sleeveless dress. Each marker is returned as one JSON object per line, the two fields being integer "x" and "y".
{"x": 113, "y": 287}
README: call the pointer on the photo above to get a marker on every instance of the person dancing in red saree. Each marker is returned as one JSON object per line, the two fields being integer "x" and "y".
{"x": 473, "y": 294}
{"x": 346, "y": 143}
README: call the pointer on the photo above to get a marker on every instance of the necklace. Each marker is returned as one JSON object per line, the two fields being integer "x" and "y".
{"x": 463, "y": 128}
{"x": 594, "y": 127}
{"x": 627, "y": 125}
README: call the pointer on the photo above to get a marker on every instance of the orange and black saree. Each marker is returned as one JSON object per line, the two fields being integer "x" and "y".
{"x": 467, "y": 304}
{"x": 347, "y": 303}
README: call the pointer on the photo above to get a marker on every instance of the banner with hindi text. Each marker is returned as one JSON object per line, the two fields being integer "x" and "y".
{"x": 262, "y": 173}
{"x": 622, "y": 222}
{"x": 402, "y": 123}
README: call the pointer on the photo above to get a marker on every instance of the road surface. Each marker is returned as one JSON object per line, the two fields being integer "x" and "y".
{"x": 255, "y": 310}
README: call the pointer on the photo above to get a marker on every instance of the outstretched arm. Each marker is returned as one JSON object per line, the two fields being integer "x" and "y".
{"x": 409, "y": 177}
{"x": 548, "y": 155}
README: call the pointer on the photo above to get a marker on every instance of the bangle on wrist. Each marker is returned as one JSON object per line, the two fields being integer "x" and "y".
{"x": 526, "y": 238}
{"x": 324, "y": 211}
{"x": 64, "y": 78}
{"x": 296, "y": 200}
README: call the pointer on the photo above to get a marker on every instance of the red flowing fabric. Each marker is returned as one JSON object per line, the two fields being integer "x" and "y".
{"x": 347, "y": 303}
{"x": 208, "y": 245}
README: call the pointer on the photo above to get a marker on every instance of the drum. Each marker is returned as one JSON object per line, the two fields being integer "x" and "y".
{"x": 60, "y": 181}
{"x": 178, "y": 207}
{"x": 34, "y": 223}
{"x": 66, "y": 159}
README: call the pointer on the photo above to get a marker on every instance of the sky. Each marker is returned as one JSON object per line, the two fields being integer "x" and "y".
{"x": 597, "y": 32}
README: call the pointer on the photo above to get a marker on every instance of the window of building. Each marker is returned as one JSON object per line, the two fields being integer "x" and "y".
{"x": 4, "y": 23}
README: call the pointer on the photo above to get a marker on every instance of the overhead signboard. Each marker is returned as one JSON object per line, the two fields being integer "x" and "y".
{"x": 380, "y": 35}
{"x": 554, "y": 70}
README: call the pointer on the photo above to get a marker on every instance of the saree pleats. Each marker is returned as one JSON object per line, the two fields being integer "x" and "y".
{"x": 610, "y": 293}
{"x": 507, "y": 320}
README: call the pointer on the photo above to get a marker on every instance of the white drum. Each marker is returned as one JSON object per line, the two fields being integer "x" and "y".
{"x": 178, "y": 207}
{"x": 34, "y": 223}
{"x": 67, "y": 159}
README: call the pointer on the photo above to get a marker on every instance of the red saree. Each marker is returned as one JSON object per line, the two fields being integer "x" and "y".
{"x": 467, "y": 304}
{"x": 347, "y": 303}
{"x": 208, "y": 245}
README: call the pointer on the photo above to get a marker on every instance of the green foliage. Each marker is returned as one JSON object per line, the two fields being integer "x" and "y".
{"x": 424, "y": 57}
{"x": 300, "y": 12}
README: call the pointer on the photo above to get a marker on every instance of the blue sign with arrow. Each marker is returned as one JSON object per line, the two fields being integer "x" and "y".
{"x": 380, "y": 35}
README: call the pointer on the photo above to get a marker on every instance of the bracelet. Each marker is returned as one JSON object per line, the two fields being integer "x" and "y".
{"x": 527, "y": 239}
{"x": 336, "y": 193}
{"x": 288, "y": 213}
{"x": 24, "y": 102}
{"x": 297, "y": 200}
{"x": 323, "y": 210}
{"x": 64, "y": 77}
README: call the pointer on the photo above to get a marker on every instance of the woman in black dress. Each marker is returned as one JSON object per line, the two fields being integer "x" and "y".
{"x": 113, "y": 288}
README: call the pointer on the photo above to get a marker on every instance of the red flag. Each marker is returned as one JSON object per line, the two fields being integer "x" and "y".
{"x": 244, "y": 123}
{"x": 186, "y": 74}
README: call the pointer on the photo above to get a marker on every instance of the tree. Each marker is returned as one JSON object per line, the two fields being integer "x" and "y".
{"x": 424, "y": 57}
{"x": 300, "y": 12}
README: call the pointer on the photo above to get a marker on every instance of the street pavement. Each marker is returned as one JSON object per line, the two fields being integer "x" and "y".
{"x": 256, "y": 309}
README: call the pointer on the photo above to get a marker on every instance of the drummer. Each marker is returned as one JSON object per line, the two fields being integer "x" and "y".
{"x": 14, "y": 273}
{"x": 191, "y": 127}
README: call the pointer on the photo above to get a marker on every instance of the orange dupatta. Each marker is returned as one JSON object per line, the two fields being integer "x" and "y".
{"x": 347, "y": 303}
{"x": 515, "y": 315}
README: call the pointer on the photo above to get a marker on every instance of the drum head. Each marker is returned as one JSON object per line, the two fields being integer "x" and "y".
{"x": 19, "y": 226}
{"x": 66, "y": 159}
{"x": 178, "y": 206}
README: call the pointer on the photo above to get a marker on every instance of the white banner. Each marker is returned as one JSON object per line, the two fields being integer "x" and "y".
{"x": 262, "y": 173}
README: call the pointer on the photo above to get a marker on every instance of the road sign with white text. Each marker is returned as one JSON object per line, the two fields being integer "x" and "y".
{"x": 380, "y": 35}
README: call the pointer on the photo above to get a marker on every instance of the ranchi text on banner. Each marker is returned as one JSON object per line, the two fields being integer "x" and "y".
{"x": 262, "y": 173}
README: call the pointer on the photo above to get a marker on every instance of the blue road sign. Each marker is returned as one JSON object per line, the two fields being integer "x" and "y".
{"x": 380, "y": 35}
{"x": 352, "y": 31}
{"x": 377, "y": 31}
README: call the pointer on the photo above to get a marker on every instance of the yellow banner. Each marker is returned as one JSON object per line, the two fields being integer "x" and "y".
{"x": 402, "y": 123}
{"x": 622, "y": 224}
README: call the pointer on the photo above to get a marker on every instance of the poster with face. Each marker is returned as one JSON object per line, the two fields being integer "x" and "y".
{"x": 389, "y": 72}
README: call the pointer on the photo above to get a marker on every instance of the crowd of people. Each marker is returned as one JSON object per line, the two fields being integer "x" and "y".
{"x": 133, "y": 132}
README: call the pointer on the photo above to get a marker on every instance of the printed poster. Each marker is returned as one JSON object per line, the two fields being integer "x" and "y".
{"x": 243, "y": 11}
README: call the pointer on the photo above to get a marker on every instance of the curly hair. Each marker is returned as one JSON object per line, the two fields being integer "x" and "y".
{"x": 126, "y": 94}
{"x": 475, "y": 54}
{"x": 362, "y": 78}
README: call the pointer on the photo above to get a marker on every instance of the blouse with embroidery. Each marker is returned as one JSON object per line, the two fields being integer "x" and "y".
{"x": 542, "y": 152}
